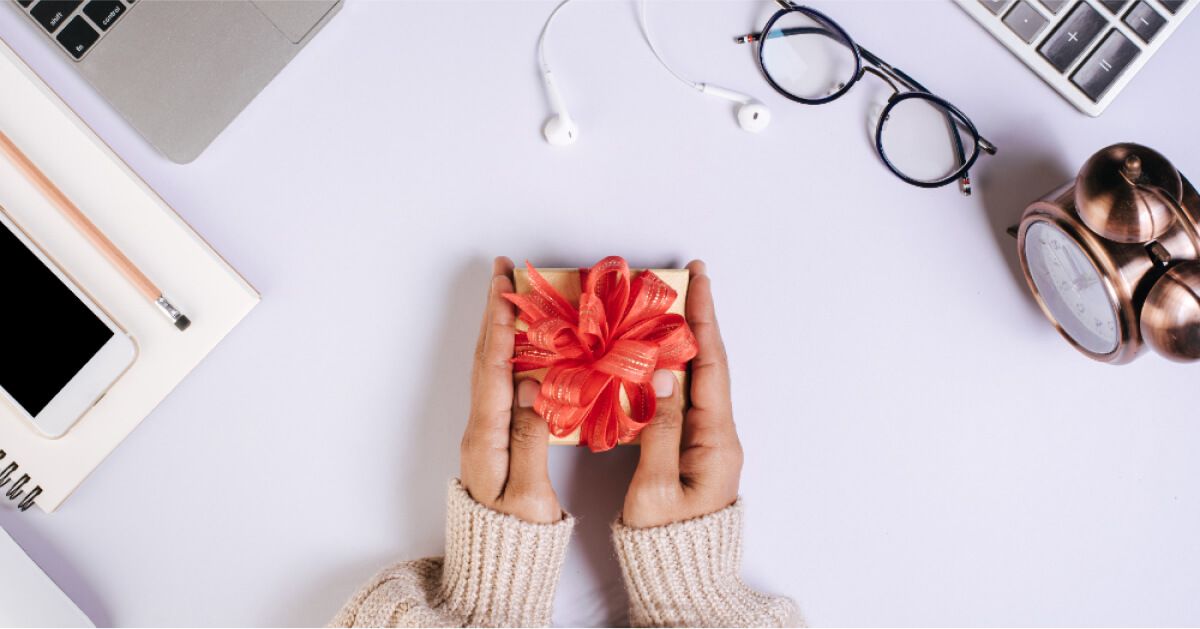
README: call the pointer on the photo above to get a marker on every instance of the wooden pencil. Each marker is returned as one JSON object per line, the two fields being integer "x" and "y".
{"x": 89, "y": 230}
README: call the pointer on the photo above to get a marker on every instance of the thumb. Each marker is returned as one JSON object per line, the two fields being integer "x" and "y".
{"x": 660, "y": 439}
{"x": 528, "y": 441}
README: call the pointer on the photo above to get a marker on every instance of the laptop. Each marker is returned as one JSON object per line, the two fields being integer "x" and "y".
{"x": 1087, "y": 50}
{"x": 179, "y": 70}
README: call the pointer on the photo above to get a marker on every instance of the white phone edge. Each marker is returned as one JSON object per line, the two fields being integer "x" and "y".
{"x": 96, "y": 377}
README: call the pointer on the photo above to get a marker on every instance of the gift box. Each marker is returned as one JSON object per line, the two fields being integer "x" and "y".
{"x": 660, "y": 329}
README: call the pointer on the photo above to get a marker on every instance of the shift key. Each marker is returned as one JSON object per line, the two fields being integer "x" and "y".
{"x": 1107, "y": 63}
{"x": 1073, "y": 36}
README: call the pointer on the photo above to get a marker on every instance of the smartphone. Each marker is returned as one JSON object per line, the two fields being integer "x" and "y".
{"x": 59, "y": 352}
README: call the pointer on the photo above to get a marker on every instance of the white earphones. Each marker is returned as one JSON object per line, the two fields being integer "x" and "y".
{"x": 752, "y": 115}
{"x": 560, "y": 129}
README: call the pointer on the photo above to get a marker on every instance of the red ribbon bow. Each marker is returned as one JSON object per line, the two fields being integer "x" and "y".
{"x": 617, "y": 337}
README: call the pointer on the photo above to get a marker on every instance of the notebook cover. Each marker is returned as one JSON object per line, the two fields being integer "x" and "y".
{"x": 213, "y": 295}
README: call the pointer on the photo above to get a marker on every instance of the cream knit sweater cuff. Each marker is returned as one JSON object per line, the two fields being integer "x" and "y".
{"x": 499, "y": 570}
{"x": 686, "y": 574}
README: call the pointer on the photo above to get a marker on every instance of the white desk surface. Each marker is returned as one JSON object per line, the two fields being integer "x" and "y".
{"x": 922, "y": 448}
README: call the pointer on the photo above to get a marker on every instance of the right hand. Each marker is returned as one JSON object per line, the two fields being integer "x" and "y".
{"x": 689, "y": 466}
{"x": 504, "y": 455}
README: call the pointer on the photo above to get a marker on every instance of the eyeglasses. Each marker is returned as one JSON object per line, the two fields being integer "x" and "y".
{"x": 922, "y": 138}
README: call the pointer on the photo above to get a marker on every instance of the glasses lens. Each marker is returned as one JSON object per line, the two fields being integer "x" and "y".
{"x": 807, "y": 58}
{"x": 926, "y": 142}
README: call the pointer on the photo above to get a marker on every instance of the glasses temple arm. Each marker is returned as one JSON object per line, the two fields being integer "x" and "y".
{"x": 783, "y": 32}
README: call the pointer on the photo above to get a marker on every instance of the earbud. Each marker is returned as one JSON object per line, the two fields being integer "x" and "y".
{"x": 560, "y": 130}
{"x": 752, "y": 115}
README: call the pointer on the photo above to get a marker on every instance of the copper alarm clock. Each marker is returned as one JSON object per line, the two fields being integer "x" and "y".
{"x": 1113, "y": 258}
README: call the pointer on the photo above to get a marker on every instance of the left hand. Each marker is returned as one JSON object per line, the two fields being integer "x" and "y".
{"x": 690, "y": 463}
{"x": 505, "y": 446}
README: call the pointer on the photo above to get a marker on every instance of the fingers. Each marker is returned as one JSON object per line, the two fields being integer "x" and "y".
{"x": 528, "y": 442}
{"x": 660, "y": 439}
{"x": 491, "y": 402}
{"x": 710, "y": 367}
{"x": 501, "y": 265}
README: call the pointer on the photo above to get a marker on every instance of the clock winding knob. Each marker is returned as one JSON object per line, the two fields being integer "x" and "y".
{"x": 1116, "y": 194}
{"x": 1171, "y": 314}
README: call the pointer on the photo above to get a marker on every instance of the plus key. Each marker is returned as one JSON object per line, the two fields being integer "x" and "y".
{"x": 1073, "y": 36}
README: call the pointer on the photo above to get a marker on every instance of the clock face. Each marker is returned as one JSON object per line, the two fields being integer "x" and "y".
{"x": 1071, "y": 288}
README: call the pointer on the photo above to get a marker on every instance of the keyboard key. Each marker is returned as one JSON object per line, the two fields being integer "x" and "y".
{"x": 1144, "y": 21}
{"x": 1054, "y": 6}
{"x": 1105, "y": 64}
{"x": 24, "y": 3}
{"x": 1172, "y": 5}
{"x": 1113, "y": 5}
{"x": 104, "y": 12}
{"x": 1025, "y": 21}
{"x": 996, "y": 6}
{"x": 77, "y": 37}
{"x": 1073, "y": 36}
{"x": 52, "y": 13}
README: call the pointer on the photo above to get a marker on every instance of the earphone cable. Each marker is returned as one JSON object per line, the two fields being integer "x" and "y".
{"x": 650, "y": 42}
{"x": 545, "y": 67}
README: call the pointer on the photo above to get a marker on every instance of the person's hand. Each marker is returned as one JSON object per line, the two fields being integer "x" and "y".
{"x": 504, "y": 448}
{"x": 690, "y": 466}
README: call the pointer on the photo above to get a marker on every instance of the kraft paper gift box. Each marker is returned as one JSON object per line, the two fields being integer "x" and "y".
{"x": 566, "y": 282}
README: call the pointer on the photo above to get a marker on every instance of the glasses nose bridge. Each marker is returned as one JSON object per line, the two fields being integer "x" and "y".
{"x": 866, "y": 69}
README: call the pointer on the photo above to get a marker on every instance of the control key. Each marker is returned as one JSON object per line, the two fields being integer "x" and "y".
{"x": 104, "y": 12}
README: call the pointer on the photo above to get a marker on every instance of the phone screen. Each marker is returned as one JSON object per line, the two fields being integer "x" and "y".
{"x": 47, "y": 334}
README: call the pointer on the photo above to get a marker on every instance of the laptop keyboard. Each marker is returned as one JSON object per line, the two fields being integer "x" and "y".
{"x": 76, "y": 24}
{"x": 1090, "y": 43}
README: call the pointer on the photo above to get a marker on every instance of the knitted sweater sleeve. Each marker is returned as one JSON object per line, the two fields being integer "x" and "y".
{"x": 686, "y": 574}
{"x": 498, "y": 571}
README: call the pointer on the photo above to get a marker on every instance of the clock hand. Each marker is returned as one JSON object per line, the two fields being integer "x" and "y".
{"x": 1075, "y": 267}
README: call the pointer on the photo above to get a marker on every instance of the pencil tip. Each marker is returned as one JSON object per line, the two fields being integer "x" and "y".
{"x": 183, "y": 322}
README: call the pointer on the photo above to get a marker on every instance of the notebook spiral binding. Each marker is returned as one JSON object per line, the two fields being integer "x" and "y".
{"x": 15, "y": 492}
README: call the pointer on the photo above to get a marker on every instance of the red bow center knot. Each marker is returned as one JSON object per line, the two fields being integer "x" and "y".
{"x": 615, "y": 340}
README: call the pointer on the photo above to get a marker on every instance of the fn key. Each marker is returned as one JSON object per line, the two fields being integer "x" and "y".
{"x": 77, "y": 37}
{"x": 1109, "y": 60}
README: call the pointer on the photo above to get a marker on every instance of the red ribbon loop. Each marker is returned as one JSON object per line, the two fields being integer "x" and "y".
{"x": 614, "y": 341}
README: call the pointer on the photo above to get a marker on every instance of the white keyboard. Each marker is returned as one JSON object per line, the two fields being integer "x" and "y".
{"x": 1087, "y": 50}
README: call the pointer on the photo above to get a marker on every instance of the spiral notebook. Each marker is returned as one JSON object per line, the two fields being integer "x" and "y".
{"x": 42, "y": 471}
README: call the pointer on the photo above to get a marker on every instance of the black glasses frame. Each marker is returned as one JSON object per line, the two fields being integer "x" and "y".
{"x": 891, "y": 75}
